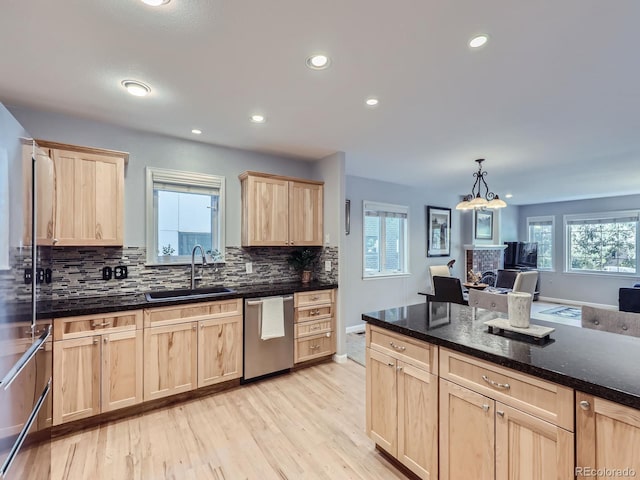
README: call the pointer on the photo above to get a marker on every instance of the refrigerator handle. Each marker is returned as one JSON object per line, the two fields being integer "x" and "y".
{"x": 13, "y": 373}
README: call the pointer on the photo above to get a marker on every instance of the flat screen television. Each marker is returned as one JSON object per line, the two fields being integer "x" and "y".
{"x": 527, "y": 254}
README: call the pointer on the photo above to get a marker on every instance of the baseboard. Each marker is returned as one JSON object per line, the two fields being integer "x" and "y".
{"x": 575, "y": 302}
{"x": 342, "y": 358}
{"x": 355, "y": 328}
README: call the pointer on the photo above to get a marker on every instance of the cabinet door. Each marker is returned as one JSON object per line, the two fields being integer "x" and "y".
{"x": 418, "y": 420}
{"x": 89, "y": 199}
{"x": 382, "y": 408}
{"x": 528, "y": 448}
{"x": 76, "y": 373}
{"x": 466, "y": 434}
{"x": 170, "y": 360}
{"x": 265, "y": 213}
{"x": 305, "y": 214}
{"x": 121, "y": 369}
{"x": 607, "y": 436}
{"x": 45, "y": 194}
{"x": 219, "y": 350}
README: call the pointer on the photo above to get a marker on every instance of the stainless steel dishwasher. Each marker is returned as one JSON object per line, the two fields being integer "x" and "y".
{"x": 263, "y": 357}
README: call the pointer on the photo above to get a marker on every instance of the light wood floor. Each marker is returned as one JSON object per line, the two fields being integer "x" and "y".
{"x": 306, "y": 425}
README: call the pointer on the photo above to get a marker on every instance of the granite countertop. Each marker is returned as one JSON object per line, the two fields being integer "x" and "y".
{"x": 73, "y": 306}
{"x": 595, "y": 362}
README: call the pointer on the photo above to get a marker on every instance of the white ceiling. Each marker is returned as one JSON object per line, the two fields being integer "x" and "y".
{"x": 552, "y": 101}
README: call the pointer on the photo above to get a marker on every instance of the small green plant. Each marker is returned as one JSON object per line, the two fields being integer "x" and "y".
{"x": 168, "y": 250}
{"x": 303, "y": 260}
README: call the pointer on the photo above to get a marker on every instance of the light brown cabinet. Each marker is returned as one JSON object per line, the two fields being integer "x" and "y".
{"x": 607, "y": 438}
{"x": 80, "y": 194}
{"x": 97, "y": 364}
{"x": 314, "y": 317}
{"x": 191, "y": 346}
{"x": 402, "y": 400}
{"x": 281, "y": 211}
{"x": 510, "y": 424}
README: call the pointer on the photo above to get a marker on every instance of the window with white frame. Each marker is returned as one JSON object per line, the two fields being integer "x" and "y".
{"x": 602, "y": 243}
{"x": 385, "y": 239}
{"x": 184, "y": 209}
{"x": 541, "y": 230}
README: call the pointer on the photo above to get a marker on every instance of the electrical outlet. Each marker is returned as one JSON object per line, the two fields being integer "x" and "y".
{"x": 27, "y": 276}
{"x": 249, "y": 267}
{"x": 120, "y": 272}
{"x": 107, "y": 273}
{"x": 327, "y": 265}
{"x": 47, "y": 275}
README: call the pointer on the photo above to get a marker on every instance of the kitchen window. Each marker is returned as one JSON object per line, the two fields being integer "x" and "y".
{"x": 385, "y": 239}
{"x": 541, "y": 230}
{"x": 184, "y": 209}
{"x": 604, "y": 243}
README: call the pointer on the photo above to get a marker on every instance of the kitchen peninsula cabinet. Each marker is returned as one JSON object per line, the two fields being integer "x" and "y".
{"x": 314, "y": 318}
{"x": 80, "y": 194}
{"x": 191, "y": 346}
{"x": 97, "y": 364}
{"x": 607, "y": 438}
{"x": 402, "y": 399}
{"x": 281, "y": 211}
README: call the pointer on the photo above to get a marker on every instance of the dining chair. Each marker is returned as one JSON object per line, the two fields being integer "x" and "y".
{"x": 440, "y": 271}
{"x": 526, "y": 282}
{"x": 448, "y": 289}
{"x": 624, "y": 323}
{"x": 495, "y": 302}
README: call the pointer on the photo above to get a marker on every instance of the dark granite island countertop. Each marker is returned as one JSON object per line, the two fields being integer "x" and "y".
{"x": 599, "y": 363}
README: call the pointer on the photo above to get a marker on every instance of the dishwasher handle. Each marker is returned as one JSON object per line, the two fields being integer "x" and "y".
{"x": 251, "y": 303}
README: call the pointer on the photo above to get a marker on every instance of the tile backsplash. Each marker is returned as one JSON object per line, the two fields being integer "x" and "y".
{"x": 77, "y": 271}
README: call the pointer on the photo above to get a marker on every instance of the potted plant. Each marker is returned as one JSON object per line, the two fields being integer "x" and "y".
{"x": 303, "y": 261}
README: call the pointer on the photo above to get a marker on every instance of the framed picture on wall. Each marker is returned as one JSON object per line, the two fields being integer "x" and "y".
{"x": 438, "y": 231}
{"x": 484, "y": 224}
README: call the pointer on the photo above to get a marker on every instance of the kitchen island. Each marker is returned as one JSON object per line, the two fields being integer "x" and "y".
{"x": 447, "y": 398}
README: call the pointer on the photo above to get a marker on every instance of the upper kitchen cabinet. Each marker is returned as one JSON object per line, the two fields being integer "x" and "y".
{"x": 281, "y": 211}
{"x": 80, "y": 194}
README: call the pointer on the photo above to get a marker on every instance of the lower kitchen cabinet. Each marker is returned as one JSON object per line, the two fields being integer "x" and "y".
{"x": 97, "y": 364}
{"x": 170, "y": 360}
{"x": 402, "y": 409}
{"x": 607, "y": 438}
{"x": 314, "y": 317}
{"x": 219, "y": 350}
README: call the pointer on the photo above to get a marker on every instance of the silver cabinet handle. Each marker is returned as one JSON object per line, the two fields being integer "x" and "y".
{"x": 584, "y": 405}
{"x": 399, "y": 369}
{"x": 391, "y": 364}
{"x": 485, "y": 407}
{"x": 317, "y": 327}
{"x": 99, "y": 325}
{"x": 500, "y": 412}
{"x": 398, "y": 347}
{"x": 315, "y": 297}
{"x": 106, "y": 339}
{"x": 96, "y": 340}
{"x": 504, "y": 386}
{"x": 54, "y": 241}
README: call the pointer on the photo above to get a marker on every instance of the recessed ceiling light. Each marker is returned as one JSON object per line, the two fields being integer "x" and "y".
{"x": 196, "y": 131}
{"x": 478, "y": 41}
{"x": 318, "y": 62}
{"x": 258, "y": 118}
{"x": 155, "y": 3}
{"x": 136, "y": 88}
{"x": 372, "y": 101}
{"x": 508, "y": 195}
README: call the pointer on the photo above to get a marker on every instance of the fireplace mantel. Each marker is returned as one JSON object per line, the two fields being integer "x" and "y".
{"x": 485, "y": 247}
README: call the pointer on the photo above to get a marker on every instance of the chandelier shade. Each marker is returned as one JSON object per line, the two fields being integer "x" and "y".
{"x": 476, "y": 200}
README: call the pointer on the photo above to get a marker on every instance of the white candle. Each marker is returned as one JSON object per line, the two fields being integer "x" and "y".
{"x": 519, "y": 309}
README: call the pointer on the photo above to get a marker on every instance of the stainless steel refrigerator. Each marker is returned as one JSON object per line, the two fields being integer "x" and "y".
{"x": 25, "y": 339}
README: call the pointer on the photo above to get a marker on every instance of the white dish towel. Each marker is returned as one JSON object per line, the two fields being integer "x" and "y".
{"x": 272, "y": 318}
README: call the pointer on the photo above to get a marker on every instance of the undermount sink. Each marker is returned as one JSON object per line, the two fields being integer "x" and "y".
{"x": 184, "y": 293}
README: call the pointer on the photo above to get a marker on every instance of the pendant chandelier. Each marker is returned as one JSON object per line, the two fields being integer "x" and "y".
{"x": 476, "y": 200}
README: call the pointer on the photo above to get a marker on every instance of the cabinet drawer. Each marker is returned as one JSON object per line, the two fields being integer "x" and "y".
{"x": 415, "y": 352}
{"x": 316, "y": 346}
{"x": 192, "y": 312}
{"x": 303, "y": 299}
{"x": 304, "y": 314}
{"x": 541, "y": 398}
{"x": 313, "y": 328}
{"x": 85, "y": 325}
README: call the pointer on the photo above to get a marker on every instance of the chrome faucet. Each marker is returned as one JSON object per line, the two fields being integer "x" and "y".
{"x": 193, "y": 265}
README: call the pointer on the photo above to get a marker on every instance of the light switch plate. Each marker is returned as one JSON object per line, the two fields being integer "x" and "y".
{"x": 327, "y": 265}
{"x": 249, "y": 267}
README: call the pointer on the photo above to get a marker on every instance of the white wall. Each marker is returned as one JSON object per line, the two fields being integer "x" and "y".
{"x": 590, "y": 288}
{"x": 148, "y": 149}
{"x": 361, "y": 296}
